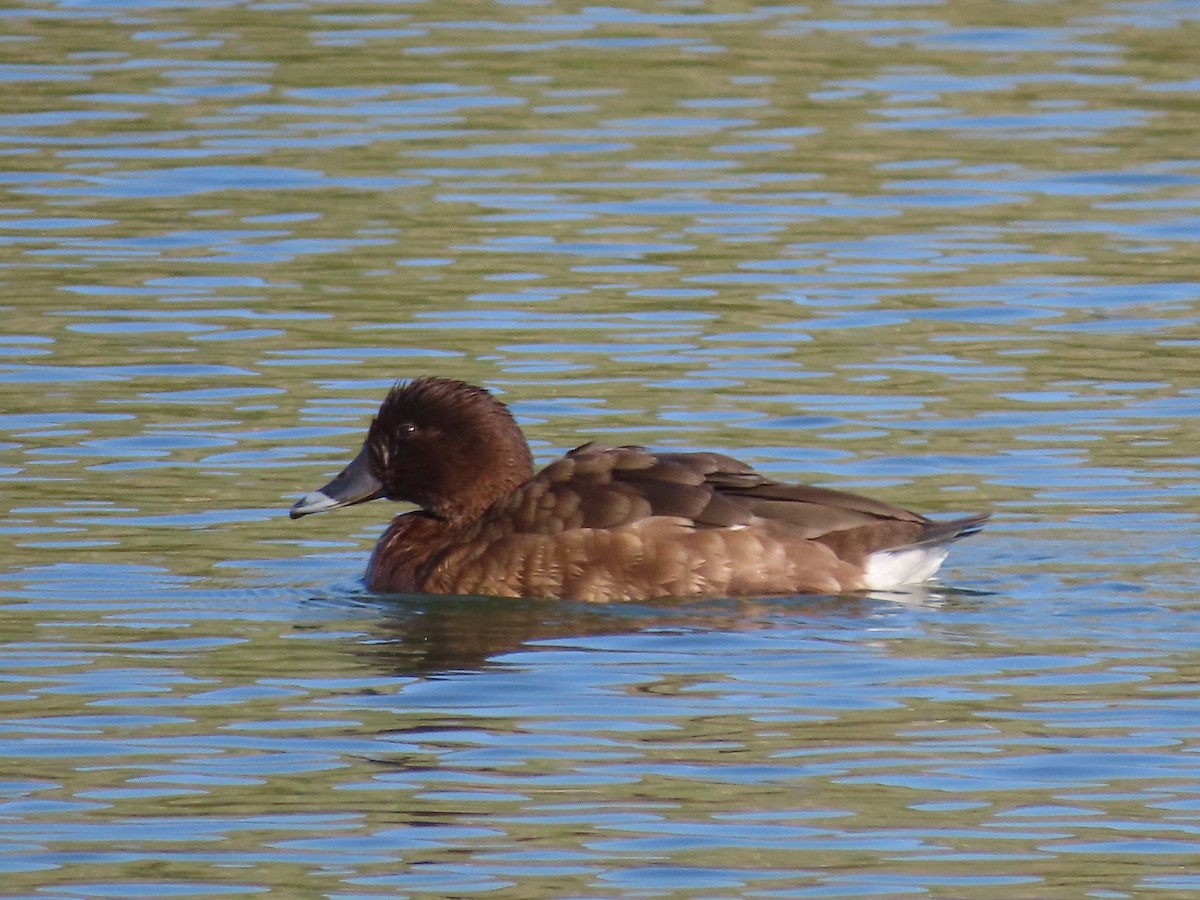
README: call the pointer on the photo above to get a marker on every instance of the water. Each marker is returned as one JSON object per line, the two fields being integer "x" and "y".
{"x": 938, "y": 253}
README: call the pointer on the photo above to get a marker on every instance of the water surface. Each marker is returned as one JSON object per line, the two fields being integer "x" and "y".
{"x": 940, "y": 253}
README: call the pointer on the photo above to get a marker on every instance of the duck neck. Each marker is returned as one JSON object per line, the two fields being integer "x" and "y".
{"x": 508, "y": 470}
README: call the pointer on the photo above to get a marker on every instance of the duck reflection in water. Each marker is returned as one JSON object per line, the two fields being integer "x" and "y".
{"x": 441, "y": 635}
{"x": 606, "y": 523}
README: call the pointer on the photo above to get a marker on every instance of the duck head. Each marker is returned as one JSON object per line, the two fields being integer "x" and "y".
{"x": 448, "y": 446}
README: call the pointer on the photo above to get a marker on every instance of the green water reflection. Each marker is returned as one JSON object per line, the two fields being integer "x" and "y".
{"x": 940, "y": 253}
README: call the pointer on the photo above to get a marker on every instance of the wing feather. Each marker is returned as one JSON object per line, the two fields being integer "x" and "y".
{"x": 601, "y": 486}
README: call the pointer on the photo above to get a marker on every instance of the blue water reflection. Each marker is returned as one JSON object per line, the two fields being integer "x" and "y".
{"x": 938, "y": 254}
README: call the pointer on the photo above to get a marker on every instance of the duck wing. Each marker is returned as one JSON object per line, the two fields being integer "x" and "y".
{"x": 601, "y": 486}
{"x": 853, "y": 526}
{"x": 815, "y": 511}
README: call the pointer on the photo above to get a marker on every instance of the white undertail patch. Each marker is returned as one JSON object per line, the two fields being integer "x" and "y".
{"x": 888, "y": 569}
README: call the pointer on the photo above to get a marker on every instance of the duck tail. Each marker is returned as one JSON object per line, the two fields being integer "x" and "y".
{"x": 918, "y": 561}
{"x": 952, "y": 530}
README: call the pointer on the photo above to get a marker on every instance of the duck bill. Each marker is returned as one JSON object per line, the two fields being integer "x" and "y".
{"x": 354, "y": 484}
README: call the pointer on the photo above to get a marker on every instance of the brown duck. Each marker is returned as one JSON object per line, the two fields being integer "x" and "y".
{"x": 606, "y": 523}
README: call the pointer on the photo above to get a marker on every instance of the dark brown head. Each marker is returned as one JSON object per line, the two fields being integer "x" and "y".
{"x": 447, "y": 446}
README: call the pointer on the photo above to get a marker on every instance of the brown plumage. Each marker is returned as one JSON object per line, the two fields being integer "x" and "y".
{"x": 606, "y": 523}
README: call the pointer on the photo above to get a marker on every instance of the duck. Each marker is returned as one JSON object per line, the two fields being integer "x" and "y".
{"x": 606, "y": 523}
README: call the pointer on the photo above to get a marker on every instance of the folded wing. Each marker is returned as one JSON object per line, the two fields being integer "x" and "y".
{"x": 604, "y": 487}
